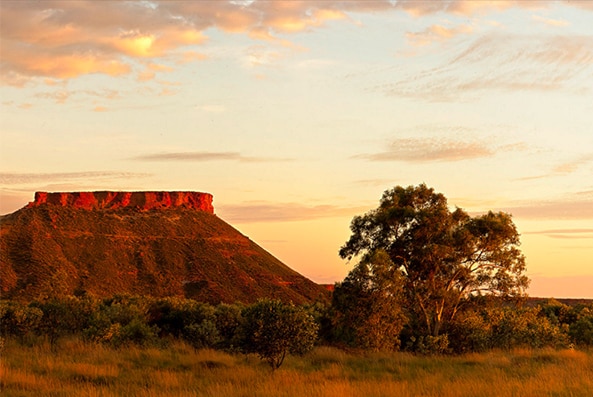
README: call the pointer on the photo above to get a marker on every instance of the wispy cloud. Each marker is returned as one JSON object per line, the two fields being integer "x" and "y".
{"x": 205, "y": 156}
{"x": 7, "y": 178}
{"x": 550, "y": 21}
{"x": 565, "y": 233}
{"x": 578, "y": 206}
{"x": 437, "y": 33}
{"x": 431, "y": 149}
{"x": 565, "y": 168}
{"x": 572, "y": 165}
{"x": 262, "y": 211}
{"x": 421, "y": 150}
{"x": 502, "y": 62}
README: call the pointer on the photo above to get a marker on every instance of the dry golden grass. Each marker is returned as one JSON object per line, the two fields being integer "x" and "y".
{"x": 79, "y": 369}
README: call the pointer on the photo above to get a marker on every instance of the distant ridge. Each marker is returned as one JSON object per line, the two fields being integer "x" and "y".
{"x": 146, "y": 243}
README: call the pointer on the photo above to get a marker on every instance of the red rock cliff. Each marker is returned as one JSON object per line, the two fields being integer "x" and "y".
{"x": 136, "y": 200}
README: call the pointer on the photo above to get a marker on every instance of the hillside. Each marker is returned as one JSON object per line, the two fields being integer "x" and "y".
{"x": 148, "y": 243}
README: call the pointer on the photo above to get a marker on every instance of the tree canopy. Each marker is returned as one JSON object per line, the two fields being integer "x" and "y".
{"x": 273, "y": 329}
{"x": 443, "y": 257}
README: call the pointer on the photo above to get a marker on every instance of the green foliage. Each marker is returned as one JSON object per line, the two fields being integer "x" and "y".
{"x": 192, "y": 321}
{"x": 366, "y": 313}
{"x": 505, "y": 328}
{"x": 65, "y": 316}
{"x": 581, "y": 331}
{"x": 559, "y": 313}
{"x": 526, "y": 328}
{"x": 367, "y": 306}
{"x": 444, "y": 257}
{"x": 201, "y": 335}
{"x": 172, "y": 314}
{"x": 19, "y": 320}
{"x": 273, "y": 329}
{"x": 135, "y": 332}
{"x": 122, "y": 320}
{"x": 228, "y": 320}
{"x": 428, "y": 344}
{"x": 471, "y": 331}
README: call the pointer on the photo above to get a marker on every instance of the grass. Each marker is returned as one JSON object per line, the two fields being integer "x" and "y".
{"x": 80, "y": 369}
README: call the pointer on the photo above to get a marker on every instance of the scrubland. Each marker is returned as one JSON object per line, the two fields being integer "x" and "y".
{"x": 73, "y": 367}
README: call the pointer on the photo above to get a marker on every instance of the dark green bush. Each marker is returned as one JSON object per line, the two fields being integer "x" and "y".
{"x": 121, "y": 320}
{"x": 273, "y": 329}
{"x": 19, "y": 320}
{"x": 228, "y": 320}
{"x": 581, "y": 331}
{"x": 201, "y": 335}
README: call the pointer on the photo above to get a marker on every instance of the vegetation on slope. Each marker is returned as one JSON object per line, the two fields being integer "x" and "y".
{"x": 57, "y": 251}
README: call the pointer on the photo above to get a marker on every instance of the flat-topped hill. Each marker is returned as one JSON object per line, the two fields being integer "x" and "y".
{"x": 147, "y": 243}
{"x": 142, "y": 201}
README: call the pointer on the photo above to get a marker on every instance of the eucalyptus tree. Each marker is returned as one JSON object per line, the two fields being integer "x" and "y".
{"x": 442, "y": 257}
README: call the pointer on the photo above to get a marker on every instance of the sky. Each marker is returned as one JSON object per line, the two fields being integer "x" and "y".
{"x": 297, "y": 115}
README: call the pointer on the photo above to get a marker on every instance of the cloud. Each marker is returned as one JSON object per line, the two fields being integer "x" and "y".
{"x": 565, "y": 168}
{"x": 375, "y": 182}
{"x": 7, "y": 178}
{"x": 67, "y": 39}
{"x": 261, "y": 211}
{"x": 421, "y": 150}
{"x": 550, "y": 21}
{"x": 436, "y": 33}
{"x": 461, "y": 7}
{"x": 573, "y": 165}
{"x": 503, "y": 62}
{"x": 62, "y": 95}
{"x": 204, "y": 156}
{"x": 578, "y": 206}
{"x": 565, "y": 233}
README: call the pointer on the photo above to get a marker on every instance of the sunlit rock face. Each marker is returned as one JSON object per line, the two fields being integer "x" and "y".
{"x": 142, "y": 201}
{"x": 138, "y": 243}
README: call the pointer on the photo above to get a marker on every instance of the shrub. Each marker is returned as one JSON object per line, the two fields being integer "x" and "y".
{"x": 273, "y": 329}
{"x": 136, "y": 332}
{"x": 428, "y": 344}
{"x": 581, "y": 332}
{"x": 228, "y": 320}
{"x": 121, "y": 320}
{"x": 201, "y": 335}
{"x": 526, "y": 328}
{"x": 65, "y": 316}
{"x": 19, "y": 320}
{"x": 470, "y": 332}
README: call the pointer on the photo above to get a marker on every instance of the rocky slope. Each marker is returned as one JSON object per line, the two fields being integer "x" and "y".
{"x": 148, "y": 243}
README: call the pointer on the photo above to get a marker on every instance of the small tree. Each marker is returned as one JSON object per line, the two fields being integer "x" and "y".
{"x": 273, "y": 329}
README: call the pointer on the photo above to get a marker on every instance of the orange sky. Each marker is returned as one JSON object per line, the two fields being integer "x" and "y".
{"x": 297, "y": 115}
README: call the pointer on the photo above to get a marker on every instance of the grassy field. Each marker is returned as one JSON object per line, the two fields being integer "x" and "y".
{"x": 74, "y": 368}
